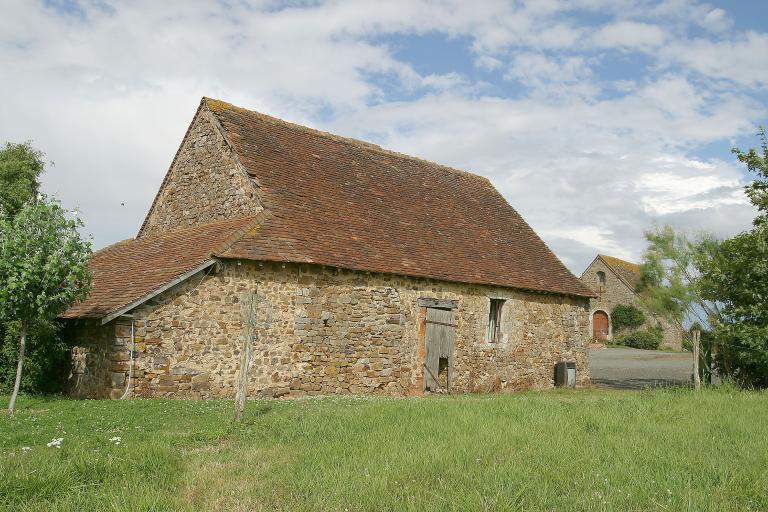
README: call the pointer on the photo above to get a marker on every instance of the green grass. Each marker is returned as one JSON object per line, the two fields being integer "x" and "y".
{"x": 578, "y": 450}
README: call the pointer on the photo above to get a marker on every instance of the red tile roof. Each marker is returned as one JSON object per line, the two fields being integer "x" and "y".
{"x": 131, "y": 269}
{"x": 344, "y": 203}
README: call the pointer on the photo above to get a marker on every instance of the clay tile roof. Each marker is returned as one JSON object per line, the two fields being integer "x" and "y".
{"x": 626, "y": 270}
{"x": 131, "y": 269}
{"x": 346, "y": 203}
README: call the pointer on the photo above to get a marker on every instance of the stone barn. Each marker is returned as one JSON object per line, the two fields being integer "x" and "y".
{"x": 614, "y": 281}
{"x": 373, "y": 272}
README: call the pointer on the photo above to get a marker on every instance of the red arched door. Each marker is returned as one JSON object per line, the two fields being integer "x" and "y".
{"x": 600, "y": 325}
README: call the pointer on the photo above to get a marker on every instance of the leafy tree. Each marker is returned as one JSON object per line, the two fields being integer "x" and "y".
{"x": 671, "y": 271}
{"x": 43, "y": 269}
{"x": 46, "y": 358}
{"x": 757, "y": 191}
{"x": 20, "y": 168}
{"x": 626, "y": 316}
{"x": 737, "y": 278}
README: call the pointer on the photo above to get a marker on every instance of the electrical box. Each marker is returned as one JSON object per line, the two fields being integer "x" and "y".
{"x": 565, "y": 374}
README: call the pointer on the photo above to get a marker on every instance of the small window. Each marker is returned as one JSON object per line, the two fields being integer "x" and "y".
{"x": 494, "y": 321}
{"x": 601, "y": 277}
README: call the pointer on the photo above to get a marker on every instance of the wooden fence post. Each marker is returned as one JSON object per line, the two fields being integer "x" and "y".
{"x": 249, "y": 333}
{"x": 696, "y": 377}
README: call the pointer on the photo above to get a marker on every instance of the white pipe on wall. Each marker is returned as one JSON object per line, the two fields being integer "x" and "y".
{"x": 130, "y": 367}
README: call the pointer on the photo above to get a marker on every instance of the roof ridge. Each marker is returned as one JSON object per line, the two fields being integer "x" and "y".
{"x": 619, "y": 260}
{"x": 620, "y": 268}
{"x": 363, "y": 144}
{"x": 112, "y": 246}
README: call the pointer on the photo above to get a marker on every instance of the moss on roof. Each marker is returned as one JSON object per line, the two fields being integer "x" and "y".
{"x": 628, "y": 271}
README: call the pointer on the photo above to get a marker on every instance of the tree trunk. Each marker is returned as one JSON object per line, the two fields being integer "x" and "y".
{"x": 19, "y": 367}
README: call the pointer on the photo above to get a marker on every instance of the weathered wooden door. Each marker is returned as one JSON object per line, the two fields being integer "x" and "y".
{"x": 438, "y": 363}
{"x": 600, "y": 325}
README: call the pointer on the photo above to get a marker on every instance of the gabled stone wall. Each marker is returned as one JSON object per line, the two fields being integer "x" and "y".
{"x": 338, "y": 332}
{"x": 616, "y": 292}
{"x": 205, "y": 183}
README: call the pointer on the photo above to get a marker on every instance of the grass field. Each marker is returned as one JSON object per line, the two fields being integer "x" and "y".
{"x": 579, "y": 450}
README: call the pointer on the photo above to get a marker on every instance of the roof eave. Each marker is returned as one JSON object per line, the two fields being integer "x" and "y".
{"x": 157, "y": 291}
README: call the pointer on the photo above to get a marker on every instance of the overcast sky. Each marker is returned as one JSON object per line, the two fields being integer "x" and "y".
{"x": 595, "y": 118}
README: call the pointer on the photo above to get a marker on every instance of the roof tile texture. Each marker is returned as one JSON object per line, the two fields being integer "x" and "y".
{"x": 346, "y": 203}
{"x": 131, "y": 269}
{"x": 629, "y": 272}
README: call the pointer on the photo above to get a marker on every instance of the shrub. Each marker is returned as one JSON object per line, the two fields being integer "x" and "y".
{"x": 625, "y": 316}
{"x": 46, "y": 365}
{"x": 645, "y": 340}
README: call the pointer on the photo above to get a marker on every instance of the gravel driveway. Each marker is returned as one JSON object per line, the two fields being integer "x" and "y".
{"x": 629, "y": 368}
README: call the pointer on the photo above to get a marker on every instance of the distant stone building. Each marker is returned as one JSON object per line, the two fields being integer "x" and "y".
{"x": 614, "y": 281}
{"x": 374, "y": 273}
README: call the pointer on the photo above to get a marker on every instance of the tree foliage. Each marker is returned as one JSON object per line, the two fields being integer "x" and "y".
{"x": 757, "y": 191}
{"x": 626, "y": 316}
{"x": 645, "y": 340}
{"x": 46, "y": 360}
{"x": 43, "y": 268}
{"x": 671, "y": 271}
{"x": 43, "y": 262}
{"x": 20, "y": 168}
{"x": 737, "y": 279}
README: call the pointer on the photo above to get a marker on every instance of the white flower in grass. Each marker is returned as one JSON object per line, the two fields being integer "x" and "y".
{"x": 25, "y": 449}
{"x": 56, "y": 441}
{"x": 115, "y": 439}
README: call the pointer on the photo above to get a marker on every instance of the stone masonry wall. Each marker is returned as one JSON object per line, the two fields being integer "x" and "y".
{"x": 616, "y": 292}
{"x": 99, "y": 358}
{"x": 338, "y": 332}
{"x": 205, "y": 183}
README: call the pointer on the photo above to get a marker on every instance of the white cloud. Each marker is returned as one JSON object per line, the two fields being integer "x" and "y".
{"x": 743, "y": 59}
{"x": 716, "y": 20}
{"x": 536, "y": 70}
{"x": 675, "y": 191}
{"x": 108, "y": 95}
{"x": 629, "y": 34}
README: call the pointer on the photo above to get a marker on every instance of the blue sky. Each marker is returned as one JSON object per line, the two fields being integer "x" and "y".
{"x": 595, "y": 118}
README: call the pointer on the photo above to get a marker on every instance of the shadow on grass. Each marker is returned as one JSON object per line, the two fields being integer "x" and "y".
{"x": 639, "y": 384}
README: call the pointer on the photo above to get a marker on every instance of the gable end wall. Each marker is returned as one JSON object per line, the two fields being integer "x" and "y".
{"x": 616, "y": 293}
{"x": 204, "y": 184}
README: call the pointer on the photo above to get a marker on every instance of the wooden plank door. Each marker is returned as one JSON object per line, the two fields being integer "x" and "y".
{"x": 438, "y": 362}
{"x": 600, "y": 325}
